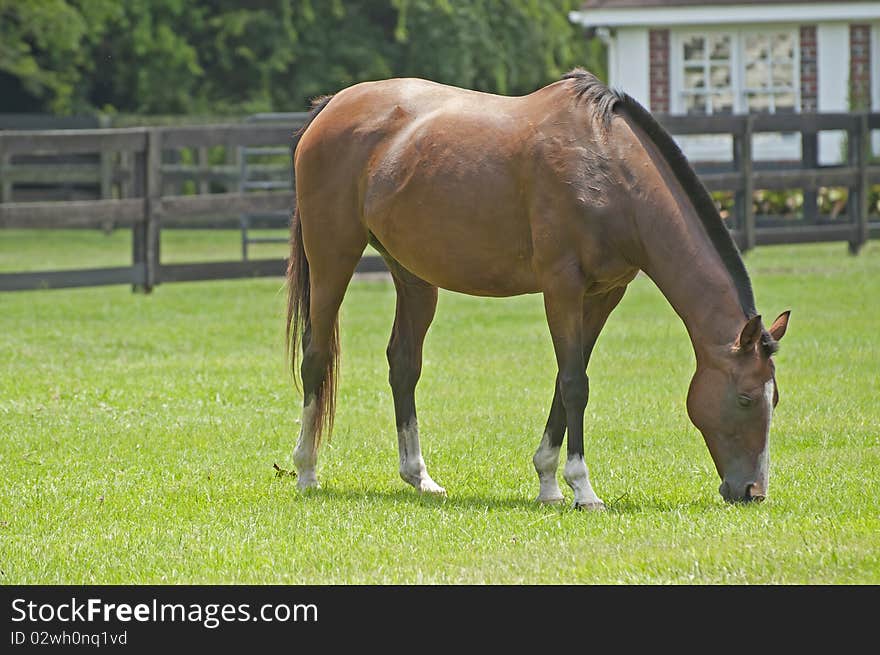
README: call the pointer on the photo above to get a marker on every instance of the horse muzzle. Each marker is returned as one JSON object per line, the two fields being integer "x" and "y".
{"x": 749, "y": 492}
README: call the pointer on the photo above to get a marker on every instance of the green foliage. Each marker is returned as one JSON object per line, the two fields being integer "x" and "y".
{"x": 505, "y": 46}
{"x": 789, "y": 203}
{"x": 220, "y": 56}
{"x": 144, "y": 64}
{"x": 46, "y": 49}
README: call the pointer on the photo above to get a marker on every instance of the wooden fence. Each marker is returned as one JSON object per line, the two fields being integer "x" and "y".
{"x": 147, "y": 193}
{"x": 743, "y": 175}
{"x": 139, "y": 175}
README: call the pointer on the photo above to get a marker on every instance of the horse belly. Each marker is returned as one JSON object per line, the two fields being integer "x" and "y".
{"x": 456, "y": 221}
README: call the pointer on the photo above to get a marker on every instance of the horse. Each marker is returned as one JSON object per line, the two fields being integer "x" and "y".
{"x": 569, "y": 191}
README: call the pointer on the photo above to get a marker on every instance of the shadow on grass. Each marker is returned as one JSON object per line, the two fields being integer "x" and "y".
{"x": 412, "y": 497}
{"x": 623, "y": 505}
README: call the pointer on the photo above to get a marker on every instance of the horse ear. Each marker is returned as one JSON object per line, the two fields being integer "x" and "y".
{"x": 749, "y": 336}
{"x": 777, "y": 330}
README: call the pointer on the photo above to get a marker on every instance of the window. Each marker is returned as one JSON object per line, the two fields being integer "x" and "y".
{"x": 707, "y": 81}
{"x": 770, "y": 83}
{"x": 735, "y": 72}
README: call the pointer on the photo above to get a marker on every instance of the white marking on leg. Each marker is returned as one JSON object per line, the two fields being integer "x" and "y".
{"x": 305, "y": 455}
{"x": 546, "y": 461}
{"x": 412, "y": 466}
{"x": 578, "y": 478}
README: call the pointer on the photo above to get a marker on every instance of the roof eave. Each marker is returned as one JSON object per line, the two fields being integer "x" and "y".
{"x": 727, "y": 14}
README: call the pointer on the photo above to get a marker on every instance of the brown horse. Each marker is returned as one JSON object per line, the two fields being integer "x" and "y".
{"x": 569, "y": 192}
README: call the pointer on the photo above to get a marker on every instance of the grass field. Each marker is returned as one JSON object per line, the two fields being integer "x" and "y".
{"x": 36, "y": 250}
{"x": 138, "y": 434}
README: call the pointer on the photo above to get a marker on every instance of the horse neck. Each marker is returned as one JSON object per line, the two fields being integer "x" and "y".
{"x": 681, "y": 259}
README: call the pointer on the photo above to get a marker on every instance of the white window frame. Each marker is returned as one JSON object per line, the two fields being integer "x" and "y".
{"x": 737, "y": 63}
{"x": 677, "y": 61}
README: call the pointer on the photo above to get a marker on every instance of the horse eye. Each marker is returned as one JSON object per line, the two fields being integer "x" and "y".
{"x": 743, "y": 400}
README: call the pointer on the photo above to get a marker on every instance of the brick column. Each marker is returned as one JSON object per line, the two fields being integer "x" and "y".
{"x": 809, "y": 71}
{"x": 859, "y": 67}
{"x": 658, "y": 52}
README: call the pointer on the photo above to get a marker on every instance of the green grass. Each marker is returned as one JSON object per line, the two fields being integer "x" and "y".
{"x": 138, "y": 433}
{"x": 37, "y": 250}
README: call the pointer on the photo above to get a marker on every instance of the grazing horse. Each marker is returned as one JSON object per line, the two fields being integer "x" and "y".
{"x": 568, "y": 192}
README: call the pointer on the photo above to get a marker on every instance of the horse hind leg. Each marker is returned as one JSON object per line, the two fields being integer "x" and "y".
{"x": 329, "y": 268}
{"x": 546, "y": 457}
{"x": 416, "y": 304}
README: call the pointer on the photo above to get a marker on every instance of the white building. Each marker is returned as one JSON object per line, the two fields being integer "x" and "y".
{"x": 723, "y": 56}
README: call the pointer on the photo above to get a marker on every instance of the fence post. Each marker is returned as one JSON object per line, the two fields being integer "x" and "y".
{"x": 152, "y": 206}
{"x": 5, "y": 183}
{"x": 204, "y": 171}
{"x": 810, "y": 159}
{"x": 742, "y": 159}
{"x": 857, "y": 138}
{"x": 139, "y": 229}
{"x": 106, "y": 172}
{"x": 146, "y": 233}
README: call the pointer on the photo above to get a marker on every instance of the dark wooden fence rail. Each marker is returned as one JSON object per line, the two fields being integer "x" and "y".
{"x": 142, "y": 179}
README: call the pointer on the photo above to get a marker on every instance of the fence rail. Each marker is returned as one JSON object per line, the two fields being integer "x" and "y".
{"x": 135, "y": 176}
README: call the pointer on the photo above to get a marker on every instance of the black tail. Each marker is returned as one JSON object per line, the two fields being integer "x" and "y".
{"x": 298, "y": 298}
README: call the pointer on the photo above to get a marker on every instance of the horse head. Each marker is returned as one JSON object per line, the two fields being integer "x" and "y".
{"x": 731, "y": 400}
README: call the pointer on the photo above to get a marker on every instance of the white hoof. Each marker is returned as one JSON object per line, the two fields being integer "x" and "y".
{"x": 422, "y": 481}
{"x": 306, "y": 480}
{"x": 428, "y": 486}
{"x": 549, "y": 499}
{"x": 592, "y": 506}
{"x": 424, "y": 484}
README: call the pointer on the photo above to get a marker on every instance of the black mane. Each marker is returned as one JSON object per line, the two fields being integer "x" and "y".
{"x": 606, "y": 102}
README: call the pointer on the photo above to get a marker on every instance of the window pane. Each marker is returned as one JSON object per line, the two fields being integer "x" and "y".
{"x": 694, "y": 47}
{"x": 695, "y": 104}
{"x": 757, "y": 47}
{"x": 694, "y": 77}
{"x": 758, "y": 102}
{"x": 720, "y": 47}
{"x": 720, "y": 77}
{"x": 784, "y": 102}
{"x": 783, "y": 75}
{"x": 722, "y": 103}
{"x": 757, "y": 75}
{"x": 783, "y": 46}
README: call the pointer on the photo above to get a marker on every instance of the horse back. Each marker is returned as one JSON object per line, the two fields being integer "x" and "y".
{"x": 456, "y": 185}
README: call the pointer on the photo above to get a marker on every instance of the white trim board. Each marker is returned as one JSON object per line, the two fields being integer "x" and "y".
{"x": 721, "y": 15}
{"x": 631, "y": 71}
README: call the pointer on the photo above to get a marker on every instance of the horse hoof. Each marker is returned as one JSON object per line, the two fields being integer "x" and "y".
{"x": 597, "y": 506}
{"x": 306, "y": 482}
{"x": 550, "y": 500}
{"x": 430, "y": 487}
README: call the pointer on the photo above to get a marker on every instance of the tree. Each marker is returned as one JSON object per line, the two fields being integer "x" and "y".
{"x": 42, "y": 57}
{"x": 224, "y": 56}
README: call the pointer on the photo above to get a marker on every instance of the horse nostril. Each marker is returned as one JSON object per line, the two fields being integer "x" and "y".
{"x": 752, "y": 492}
{"x": 755, "y": 492}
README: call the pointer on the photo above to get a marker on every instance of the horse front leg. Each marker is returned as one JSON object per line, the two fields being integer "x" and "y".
{"x": 571, "y": 391}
